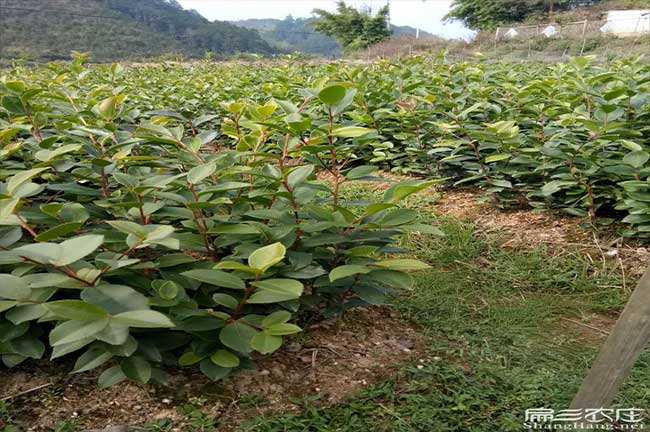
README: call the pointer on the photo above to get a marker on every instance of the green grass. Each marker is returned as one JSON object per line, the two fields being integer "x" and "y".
{"x": 492, "y": 317}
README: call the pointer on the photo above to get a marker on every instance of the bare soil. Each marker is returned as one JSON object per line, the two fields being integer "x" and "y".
{"x": 330, "y": 361}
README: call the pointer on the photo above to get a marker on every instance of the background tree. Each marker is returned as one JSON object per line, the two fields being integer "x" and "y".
{"x": 353, "y": 28}
{"x": 489, "y": 14}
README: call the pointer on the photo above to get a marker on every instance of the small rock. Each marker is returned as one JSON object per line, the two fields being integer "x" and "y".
{"x": 406, "y": 343}
{"x": 293, "y": 347}
{"x": 167, "y": 401}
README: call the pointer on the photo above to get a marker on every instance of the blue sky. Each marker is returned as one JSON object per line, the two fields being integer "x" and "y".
{"x": 428, "y": 14}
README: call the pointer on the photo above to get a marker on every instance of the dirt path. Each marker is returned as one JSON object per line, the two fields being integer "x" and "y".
{"x": 330, "y": 361}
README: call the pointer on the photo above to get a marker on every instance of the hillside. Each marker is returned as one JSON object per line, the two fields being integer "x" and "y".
{"x": 297, "y": 34}
{"x": 116, "y": 29}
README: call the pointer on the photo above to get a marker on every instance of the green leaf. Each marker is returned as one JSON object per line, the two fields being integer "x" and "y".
{"x": 15, "y": 86}
{"x": 398, "y": 217}
{"x": 92, "y": 358}
{"x": 13, "y": 104}
{"x": 48, "y": 280}
{"x": 332, "y": 94}
{"x": 168, "y": 290}
{"x": 213, "y": 371}
{"x": 276, "y": 290}
{"x": 137, "y": 369}
{"x": 225, "y": 359}
{"x": 266, "y": 343}
{"x": 72, "y": 331}
{"x": 13, "y": 287}
{"x": 114, "y": 334}
{"x": 26, "y": 312}
{"x": 631, "y": 145}
{"x": 403, "y": 189}
{"x": 371, "y": 209}
{"x": 233, "y": 265}
{"x": 637, "y": 158}
{"x": 225, "y": 300}
{"x": 77, "y": 248}
{"x": 28, "y": 346}
{"x": 402, "y": 264}
{"x": 237, "y": 336}
{"x": 347, "y": 271}
{"x": 277, "y": 317}
{"x": 360, "y": 172}
{"x": 115, "y": 298}
{"x": 22, "y": 177}
{"x": 63, "y": 349}
{"x": 263, "y": 258}
{"x": 126, "y": 179}
{"x": 199, "y": 173}
{"x": 370, "y": 294}
{"x": 282, "y": 329}
{"x": 7, "y": 304}
{"x": 497, "y": 157}
{"x": 11, "y": 360}
{"x": 107, "y": 108}
{"x": 189, "y": 358}
{"x": 351, "y": 131}
{"x": 217, "y": 278}
{"x": 110, "y": 377}
{"x": 9, "y": 236}
{"x": 58, "y": 231}
{"x": 129, "y": 228}
{"x": 7, "y": 207}
{"x": 299, "y": 175}
{"x": 555, "y": 186}
{"x": 76, "y": 310}
{"x": 143, "y": 319}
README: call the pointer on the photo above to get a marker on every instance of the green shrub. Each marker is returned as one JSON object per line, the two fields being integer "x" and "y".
{"x": 136, "y": 241}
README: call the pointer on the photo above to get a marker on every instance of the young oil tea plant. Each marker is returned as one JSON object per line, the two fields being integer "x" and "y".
{"x": 133, "y": 240}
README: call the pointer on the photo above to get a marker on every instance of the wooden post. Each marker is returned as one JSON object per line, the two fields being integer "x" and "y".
{"x": 622, "y": 349}
{"x": 584, "y": 39}
{"x": 496, "y": 37}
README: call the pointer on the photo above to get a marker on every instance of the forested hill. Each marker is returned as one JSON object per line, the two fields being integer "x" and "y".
{"x": 116, "y": 29}
{"x": 297, "y": 34}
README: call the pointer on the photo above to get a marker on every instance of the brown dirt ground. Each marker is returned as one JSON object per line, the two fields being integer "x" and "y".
{"x": 556, "y": 231}
{"x": 330, "y": 361}
{"x": 525, "y": 227}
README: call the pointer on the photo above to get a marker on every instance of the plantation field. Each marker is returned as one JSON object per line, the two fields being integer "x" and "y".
{"x": 191, "y": 223}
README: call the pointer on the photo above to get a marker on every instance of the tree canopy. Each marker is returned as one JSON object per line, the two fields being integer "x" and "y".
{"x": 489, "y": 14}
{"x": 353, "y": 28}
{"x": 116, "y": 29}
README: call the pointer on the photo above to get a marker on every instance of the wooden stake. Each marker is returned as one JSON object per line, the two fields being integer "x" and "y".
{"x": 622, "y": 349}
